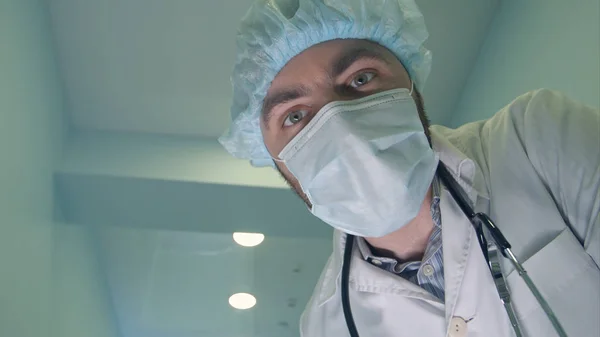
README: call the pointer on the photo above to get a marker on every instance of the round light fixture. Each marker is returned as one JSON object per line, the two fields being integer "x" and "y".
{"x": 242, "y": 301}
{"x": 248, "y": 239}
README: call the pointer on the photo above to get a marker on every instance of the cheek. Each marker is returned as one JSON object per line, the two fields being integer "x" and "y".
{"x": 269, "y": 141}
{"x": 287, "y": 175}
{"x": 276, "y": 140}
{"x": 289, "y": 178}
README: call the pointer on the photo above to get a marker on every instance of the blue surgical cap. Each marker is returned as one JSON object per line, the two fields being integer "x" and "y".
{"x": 274, "y": 31}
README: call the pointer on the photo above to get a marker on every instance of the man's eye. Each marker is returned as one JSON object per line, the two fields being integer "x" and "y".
{"x": 362, "y": 79}
{"x": 295, "y": 117}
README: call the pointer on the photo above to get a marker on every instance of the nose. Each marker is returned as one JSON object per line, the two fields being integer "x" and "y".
{"x": 335, "y": 96}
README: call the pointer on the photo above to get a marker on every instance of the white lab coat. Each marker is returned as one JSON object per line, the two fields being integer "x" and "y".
{"x": 535, "y": 169}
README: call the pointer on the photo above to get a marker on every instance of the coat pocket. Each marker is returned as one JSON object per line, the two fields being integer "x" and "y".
{"x": 569, "y": 280}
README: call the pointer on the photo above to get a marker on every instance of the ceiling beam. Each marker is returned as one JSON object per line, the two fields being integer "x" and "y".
{"x": 160, "y": 182}
{"x": 164, "y": 157}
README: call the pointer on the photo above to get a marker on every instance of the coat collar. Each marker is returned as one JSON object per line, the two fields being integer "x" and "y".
{"x": 466, "y": 172}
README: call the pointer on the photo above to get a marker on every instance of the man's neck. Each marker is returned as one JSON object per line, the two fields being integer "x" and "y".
{"x": 409, "y": 242}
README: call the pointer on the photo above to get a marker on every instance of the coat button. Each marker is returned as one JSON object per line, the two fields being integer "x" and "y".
{"x": 458, "y": 327}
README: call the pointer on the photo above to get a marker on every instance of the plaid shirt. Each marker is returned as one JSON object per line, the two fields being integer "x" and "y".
{"x": 427, "y": 273}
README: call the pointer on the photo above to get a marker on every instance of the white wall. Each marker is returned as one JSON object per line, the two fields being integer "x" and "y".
{"x": 82, "y": 304}
{"x": 30, "y": 141}
{"x": 532, "y": 44}
{"x": 48, "y": 275}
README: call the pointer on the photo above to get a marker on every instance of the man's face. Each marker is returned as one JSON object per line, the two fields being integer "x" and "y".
{"x": 337, "y": 70}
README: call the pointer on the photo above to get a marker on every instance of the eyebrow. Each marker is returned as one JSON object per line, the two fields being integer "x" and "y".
{"x": 349, "y": 57}
{"x": 280, "y": 97}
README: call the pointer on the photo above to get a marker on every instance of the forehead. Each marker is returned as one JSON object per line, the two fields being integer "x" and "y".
{"x": 315, "y": 61}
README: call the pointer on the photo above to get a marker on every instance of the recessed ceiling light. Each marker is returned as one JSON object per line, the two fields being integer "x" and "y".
{"x": 242, "y": 301}
{"x": 248, "y": 239}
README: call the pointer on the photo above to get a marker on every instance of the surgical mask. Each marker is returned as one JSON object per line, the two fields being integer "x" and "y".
{"x": 365, "y": 165}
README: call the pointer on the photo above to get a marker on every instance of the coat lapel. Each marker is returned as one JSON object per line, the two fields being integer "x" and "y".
{"x": 458, "y": 236}
{"x": 457, "y": 239}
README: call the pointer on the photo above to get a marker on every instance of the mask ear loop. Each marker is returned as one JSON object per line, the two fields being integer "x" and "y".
{"x": 412, "y": 87}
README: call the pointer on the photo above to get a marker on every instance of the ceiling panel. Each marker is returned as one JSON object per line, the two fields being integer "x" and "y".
{"x": 147, "y": 65}
{"x": 177, "y": 284}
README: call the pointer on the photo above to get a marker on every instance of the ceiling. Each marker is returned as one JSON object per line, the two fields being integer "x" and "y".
{"x": 156, "y": 66}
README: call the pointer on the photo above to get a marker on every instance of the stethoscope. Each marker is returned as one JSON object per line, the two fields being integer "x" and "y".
{"x": 491, "y": 254}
